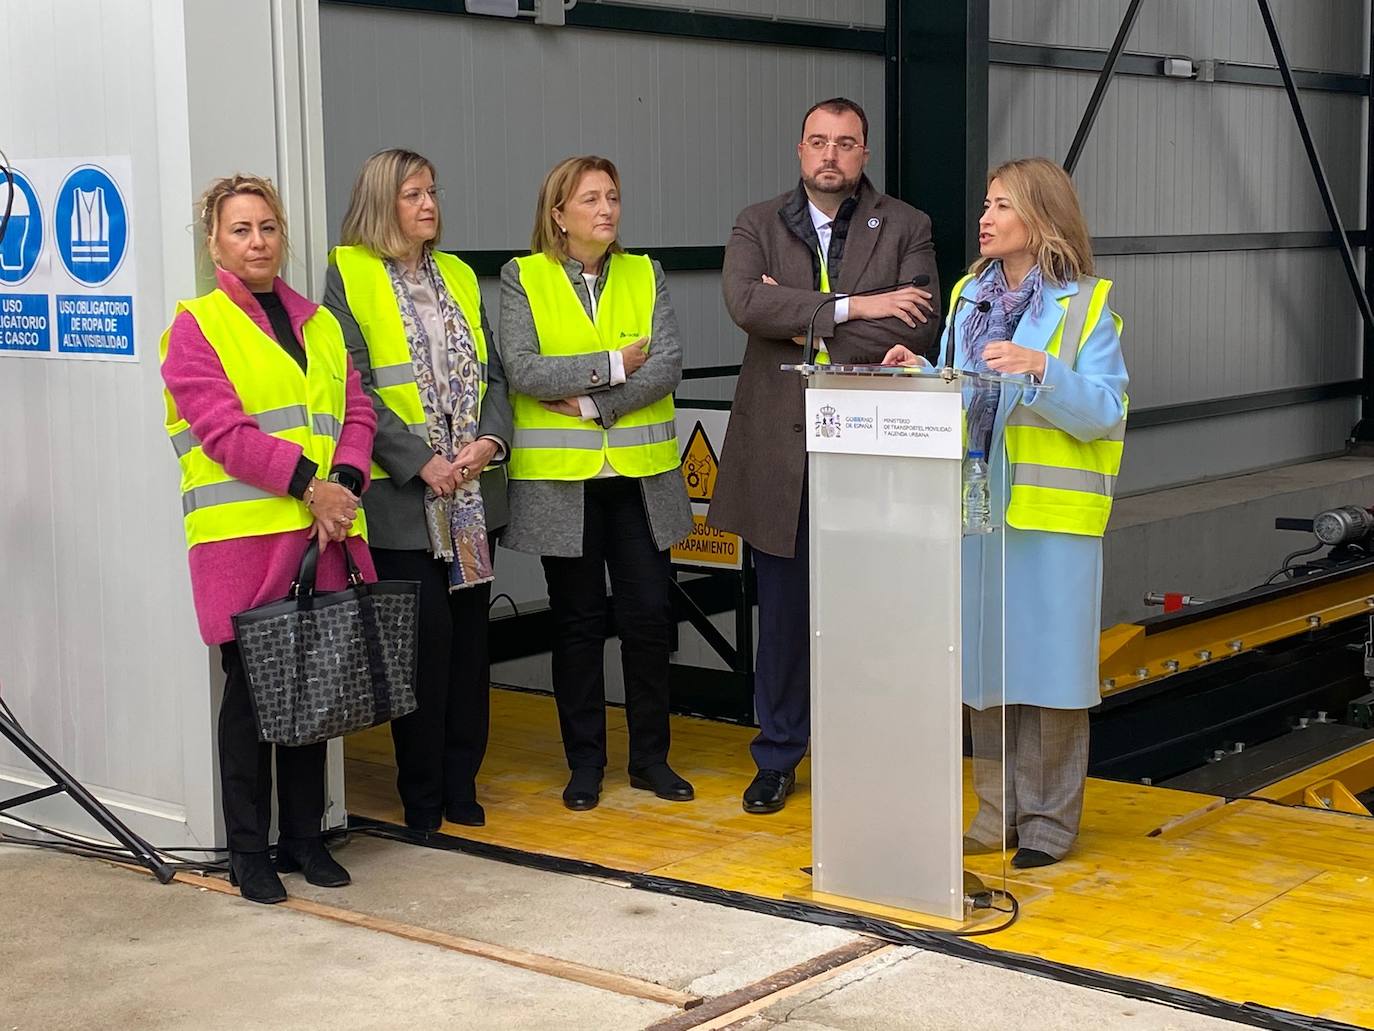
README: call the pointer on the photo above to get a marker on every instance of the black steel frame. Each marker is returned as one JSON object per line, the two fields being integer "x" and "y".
{"x": 1363, "y": 433}
{"x": 63, "y": 782}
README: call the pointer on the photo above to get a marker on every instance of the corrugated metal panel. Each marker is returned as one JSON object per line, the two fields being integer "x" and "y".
{"x": 1165, "y": 456}
{"x": 1323, "y": 35}
{"x": 698, "y": 129}
{"x": 1202, "y": 326}
{"x": 857, "y": 13}
{"x": 1171, "y": 157}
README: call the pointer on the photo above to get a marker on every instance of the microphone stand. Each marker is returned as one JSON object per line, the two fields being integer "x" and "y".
{"x": 810, "y": 353}
{"x": 983, "y": 306}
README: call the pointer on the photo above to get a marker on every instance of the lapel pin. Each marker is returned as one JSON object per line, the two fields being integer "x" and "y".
{"x": 873, "y": 223}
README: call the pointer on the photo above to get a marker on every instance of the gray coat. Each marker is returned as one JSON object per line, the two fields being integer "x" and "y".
{"x": 395, "y": 507}
{"x": 546, "y": 515}
{"x": 763, "y": 460}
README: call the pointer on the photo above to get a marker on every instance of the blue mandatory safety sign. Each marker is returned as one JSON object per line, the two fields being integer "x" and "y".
{"x": 95, "y": 325}
{"x": 91, "y": 226}
{"x": 24, "y": 323}
{"x": 23, "y": 239}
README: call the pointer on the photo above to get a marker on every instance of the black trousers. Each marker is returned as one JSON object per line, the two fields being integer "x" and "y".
{"x": 440, "y": 746}
{"x": 615, "y": 538}
{"x": 245, "y": 771}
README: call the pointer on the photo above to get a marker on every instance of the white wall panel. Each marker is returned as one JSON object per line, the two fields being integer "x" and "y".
{"x": 100, "y": 654}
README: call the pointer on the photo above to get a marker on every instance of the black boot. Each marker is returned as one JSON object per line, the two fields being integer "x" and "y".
{"x": 252, "y": 874}
{"x": 310, "y": 857}
{"x": 584, "y": 789}
{"x": 468, "y": 812}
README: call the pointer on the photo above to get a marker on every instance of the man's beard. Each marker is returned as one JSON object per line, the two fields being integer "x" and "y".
{"x": 841, "y": 185}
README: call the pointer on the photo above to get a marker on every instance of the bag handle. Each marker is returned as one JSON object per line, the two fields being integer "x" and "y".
{"x": 304, "y": 584}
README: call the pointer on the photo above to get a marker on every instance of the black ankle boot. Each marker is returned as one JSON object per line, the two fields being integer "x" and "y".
{"x": 584, "y": 789}
{"x": 310, "y": 857}
{"x": 252, "y": 874}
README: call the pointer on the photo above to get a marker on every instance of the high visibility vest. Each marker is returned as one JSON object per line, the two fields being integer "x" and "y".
{"x": 1058, "y": 482}
{"x": 306, "y": 408}
{"x": 372, "y": 301}
{"x": 823, "y": 355}
{"x": 552, "y": 446}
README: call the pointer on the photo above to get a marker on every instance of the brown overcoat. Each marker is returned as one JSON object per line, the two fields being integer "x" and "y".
{"x": 758, "y": 492}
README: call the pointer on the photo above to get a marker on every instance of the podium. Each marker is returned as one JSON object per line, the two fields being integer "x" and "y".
{"x": 886, "y": 450}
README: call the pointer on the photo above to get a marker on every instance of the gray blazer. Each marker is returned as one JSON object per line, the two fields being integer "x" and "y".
{"x": 763, "y": 460}
{"x": 546, "y": 515}
{"x": 395, "y": 507}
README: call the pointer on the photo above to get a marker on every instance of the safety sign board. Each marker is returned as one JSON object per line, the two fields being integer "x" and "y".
{"x": 703, "y": 431}
{"x": 67, "y": 275}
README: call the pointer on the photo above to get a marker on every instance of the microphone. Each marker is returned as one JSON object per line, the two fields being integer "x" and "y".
{"x": 982, "y": 306}
{"x": 810, "y": 354}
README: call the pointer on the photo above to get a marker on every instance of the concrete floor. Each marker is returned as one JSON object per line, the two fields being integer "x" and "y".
{"x": 87, "y": 945}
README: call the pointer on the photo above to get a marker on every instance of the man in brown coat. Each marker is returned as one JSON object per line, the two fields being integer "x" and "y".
{"x": 773, "y": 279}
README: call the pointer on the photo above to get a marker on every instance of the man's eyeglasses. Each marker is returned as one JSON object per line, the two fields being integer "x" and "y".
{"x": 413, "y": 197}
{"x": 845, "y": 144}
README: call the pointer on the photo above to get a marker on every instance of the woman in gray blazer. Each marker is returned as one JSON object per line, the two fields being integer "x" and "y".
{"x": 590, "y": 346}
{"x": 413, "y": 321}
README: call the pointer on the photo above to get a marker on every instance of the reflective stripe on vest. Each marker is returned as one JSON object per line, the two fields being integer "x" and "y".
{"x": 551, "y": 446}
{"x": 306, "y": 408}
{"x": 1059, "y": 483}
{"x": 372, "y": 300}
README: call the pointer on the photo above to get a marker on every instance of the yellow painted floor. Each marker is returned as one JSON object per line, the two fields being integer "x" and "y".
{"x": 1249, "y": 903}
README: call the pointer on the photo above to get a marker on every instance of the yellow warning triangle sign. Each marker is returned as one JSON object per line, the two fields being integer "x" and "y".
{"x": 699, "y": 465}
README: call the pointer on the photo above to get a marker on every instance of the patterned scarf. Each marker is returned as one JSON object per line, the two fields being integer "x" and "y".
{"x": 457, "y": 524}
{"x": 981, "y": 329}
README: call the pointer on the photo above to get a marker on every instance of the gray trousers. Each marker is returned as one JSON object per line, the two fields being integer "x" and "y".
{"x": 1037, "y": 794}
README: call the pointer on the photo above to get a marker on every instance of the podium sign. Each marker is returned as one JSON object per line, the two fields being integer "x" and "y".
{"x": 911, "y": 423}
{"x": 886, "y": 755}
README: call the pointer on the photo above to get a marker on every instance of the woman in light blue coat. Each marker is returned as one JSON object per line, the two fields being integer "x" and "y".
{"x": 1032, "y": 596}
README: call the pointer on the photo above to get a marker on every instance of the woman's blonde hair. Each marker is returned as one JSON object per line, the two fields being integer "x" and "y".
{"x": 1043, "y": 195}
{"x": 219, "y": 191}
{"x": 371, "y": 220}
{"x": 558, "y": 186}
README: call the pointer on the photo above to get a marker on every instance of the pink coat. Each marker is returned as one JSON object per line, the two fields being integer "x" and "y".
{"x": 230, "y": 576}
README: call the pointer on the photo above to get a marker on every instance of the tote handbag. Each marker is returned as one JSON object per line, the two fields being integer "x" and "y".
{"x": 323, "y": 665}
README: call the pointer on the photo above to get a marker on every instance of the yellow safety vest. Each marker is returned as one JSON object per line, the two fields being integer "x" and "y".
{"x": 306, "y": 408}
{"x": 823, "y": 355}
{"x": 1058, "y": 482}
{"x": 551, "y": 446}
{"x": 372, "y": 301}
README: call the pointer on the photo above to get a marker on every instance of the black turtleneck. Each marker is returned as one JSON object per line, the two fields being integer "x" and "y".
{"x": 306, "y": 469}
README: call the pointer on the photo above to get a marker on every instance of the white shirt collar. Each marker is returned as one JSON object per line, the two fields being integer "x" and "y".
{"x": 819, "y": 218}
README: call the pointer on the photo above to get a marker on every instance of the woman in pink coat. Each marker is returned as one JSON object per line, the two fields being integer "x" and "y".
{"x": 274, "y": 436}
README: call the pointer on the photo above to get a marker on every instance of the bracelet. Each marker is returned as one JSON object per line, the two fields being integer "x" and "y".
{"x": 310, "y": 493}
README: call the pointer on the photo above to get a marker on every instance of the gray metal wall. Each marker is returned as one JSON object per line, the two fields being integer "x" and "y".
{"x": 1171, "y": 156}
{"x": 702, "y": 127}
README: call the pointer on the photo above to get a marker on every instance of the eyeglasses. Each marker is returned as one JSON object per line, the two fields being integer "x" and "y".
{"x": 413, "y": 197}
{"x": 845, "y": 144}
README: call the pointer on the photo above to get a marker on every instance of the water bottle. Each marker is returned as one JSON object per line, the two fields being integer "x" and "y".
{"x": 977, "y": 500}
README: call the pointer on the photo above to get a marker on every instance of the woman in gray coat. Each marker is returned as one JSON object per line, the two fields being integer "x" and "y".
{"x": 590, "y": 347}
{"x": 416, "y": 330}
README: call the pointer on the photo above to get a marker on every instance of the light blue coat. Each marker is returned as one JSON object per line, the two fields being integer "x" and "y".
{"x": 1053, "y": 581}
